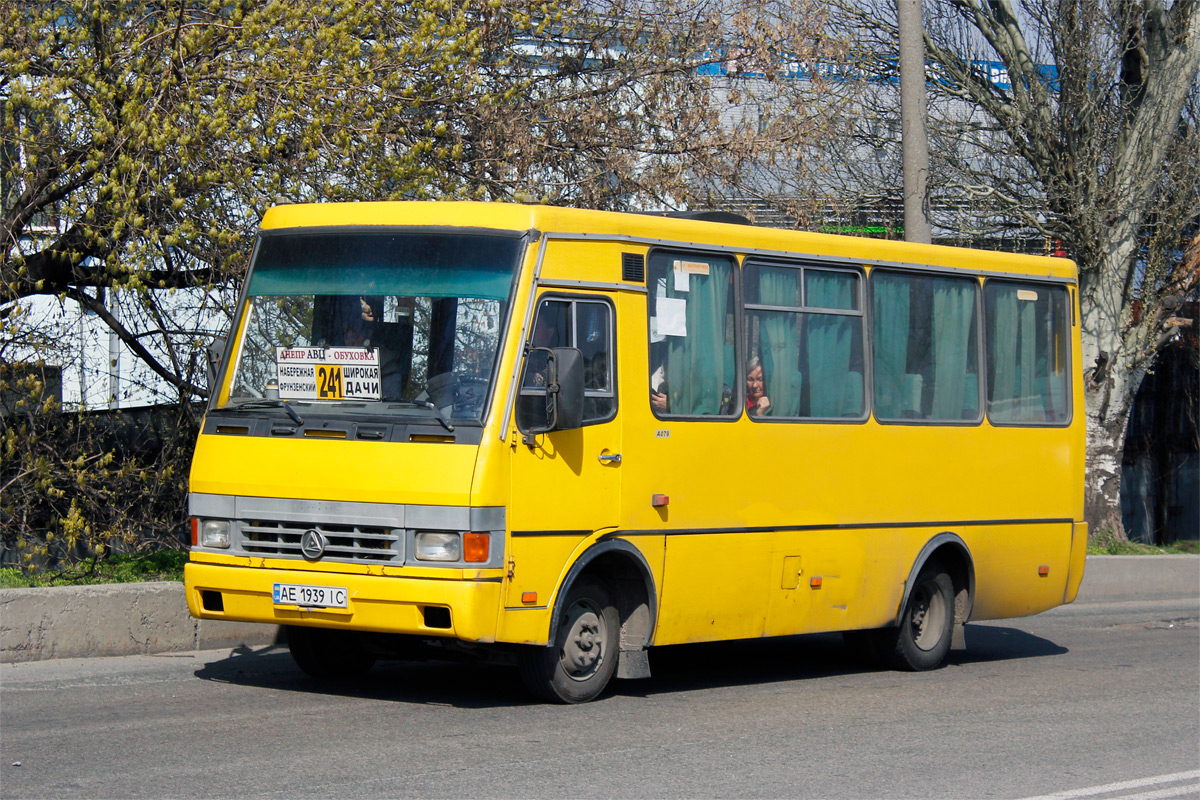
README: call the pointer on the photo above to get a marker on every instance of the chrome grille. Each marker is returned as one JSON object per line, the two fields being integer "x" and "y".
{"x": 371, "y": 543}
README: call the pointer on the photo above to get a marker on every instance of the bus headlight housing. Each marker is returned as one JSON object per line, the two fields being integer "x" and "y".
{"x": 438, "y": 546}
{"x": 214, "y": 533}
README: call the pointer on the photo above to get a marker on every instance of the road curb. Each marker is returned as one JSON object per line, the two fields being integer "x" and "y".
{"x": 112, "y": 620}
{"x": 1110, "y": 579}
{"x": 144, "y": 618}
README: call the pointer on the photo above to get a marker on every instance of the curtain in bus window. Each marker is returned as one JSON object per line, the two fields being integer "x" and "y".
{"x": 700, "y": 364}
{"x": 828, "y": 341}
{"x": 953, "y": 321}
{"x": 1027, "y": 365}
{"x": 1002, "y": 353}
{"x": 780, "y": 348}
{"x": 890, "y": 307}
{"x": 1027, "y": 362}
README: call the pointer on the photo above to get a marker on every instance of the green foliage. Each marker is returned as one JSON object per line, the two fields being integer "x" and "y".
{"x": 1107, "y": 543}
{"x": 79, "y": 486}
{"x": 163, "y": 565}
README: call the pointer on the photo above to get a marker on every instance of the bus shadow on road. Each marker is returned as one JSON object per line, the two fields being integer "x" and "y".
{"x": 678, "y": 668}
{"x": 987, "y": 643}
{"x": 450, "y": 683}
{"x": 809, "y": 657}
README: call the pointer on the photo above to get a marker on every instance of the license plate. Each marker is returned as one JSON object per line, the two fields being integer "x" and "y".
{"x": 294, "y": 594}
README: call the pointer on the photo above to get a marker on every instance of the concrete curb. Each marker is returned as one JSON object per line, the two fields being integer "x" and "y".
{"x": 112, "y": 620}
{"x": 1110, "y": 579}
{"x": 143, "y": 618}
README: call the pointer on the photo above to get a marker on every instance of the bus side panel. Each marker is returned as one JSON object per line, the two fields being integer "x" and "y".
{"x": 529, "y": 623}
{"x": 818, "y": 582}
{"x": 714, "y": 587}
{"x": 539, "y": 563}
{"x": 1008, "y": 559}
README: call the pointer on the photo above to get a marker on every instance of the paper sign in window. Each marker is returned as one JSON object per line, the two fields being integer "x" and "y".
{"x": 671, "y": 313}
{"x": 682, "y": 279}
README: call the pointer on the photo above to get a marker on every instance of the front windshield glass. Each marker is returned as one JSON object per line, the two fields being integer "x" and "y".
{"x": 375, "y": 322}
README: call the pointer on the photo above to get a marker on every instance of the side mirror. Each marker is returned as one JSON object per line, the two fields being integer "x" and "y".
{"x": 567, "y": 370}
{"x": 563, "y": 378}
{"x": 213, "y": 355}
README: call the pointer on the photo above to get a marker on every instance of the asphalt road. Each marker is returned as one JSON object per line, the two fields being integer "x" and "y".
{"x": 1095, "y": 701}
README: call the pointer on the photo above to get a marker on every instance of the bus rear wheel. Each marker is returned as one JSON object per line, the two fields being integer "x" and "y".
{"x": 922, "y": 639}
{"x": 329, "y": 655}
{"x": 583, "y": 657}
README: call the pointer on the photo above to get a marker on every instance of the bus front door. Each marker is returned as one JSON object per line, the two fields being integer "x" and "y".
{"x": 566, "y": 485}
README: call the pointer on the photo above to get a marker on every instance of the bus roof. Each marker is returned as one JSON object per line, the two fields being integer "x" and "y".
{"x": 653, "y": 228}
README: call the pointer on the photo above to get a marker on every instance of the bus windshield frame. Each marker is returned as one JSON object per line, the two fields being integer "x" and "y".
{"x": 374, "y": 322}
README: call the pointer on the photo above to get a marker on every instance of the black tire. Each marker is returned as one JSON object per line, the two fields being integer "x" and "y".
{"x": 922, "y": 639}
{"x": 329, "y": 655}
{"x": 586, "y": 648}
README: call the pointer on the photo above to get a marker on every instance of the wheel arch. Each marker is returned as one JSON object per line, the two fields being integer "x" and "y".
{"x": 624, "y": 570}
{"x": 949, "y": 549}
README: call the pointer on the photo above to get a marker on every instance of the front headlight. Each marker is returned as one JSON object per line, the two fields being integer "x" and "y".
{"x": 438, "y": 546}
{"x": 214, "y": 533}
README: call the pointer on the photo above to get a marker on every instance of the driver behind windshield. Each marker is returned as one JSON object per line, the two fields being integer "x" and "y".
{"x": 358, "y": 321}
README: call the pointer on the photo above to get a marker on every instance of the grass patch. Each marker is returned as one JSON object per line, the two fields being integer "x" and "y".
{"x": 164, "y": 565}
{"x": 1105, "y": 543}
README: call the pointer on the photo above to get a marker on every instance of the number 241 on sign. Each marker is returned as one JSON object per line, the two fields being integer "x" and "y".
{"x": 329, "y": 381}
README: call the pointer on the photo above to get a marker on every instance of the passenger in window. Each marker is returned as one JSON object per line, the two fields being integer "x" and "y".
{"x": 757, "y": 402}
{"x": 658, "y": 390}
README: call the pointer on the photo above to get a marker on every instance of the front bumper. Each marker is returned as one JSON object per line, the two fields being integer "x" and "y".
{"x": 383, "y": 604}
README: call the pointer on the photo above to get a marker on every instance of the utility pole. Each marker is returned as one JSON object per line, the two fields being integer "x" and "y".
{"x": 913, "y": 138}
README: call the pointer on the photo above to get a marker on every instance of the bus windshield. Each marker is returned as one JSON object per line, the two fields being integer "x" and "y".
{"x": 375, "y": 322}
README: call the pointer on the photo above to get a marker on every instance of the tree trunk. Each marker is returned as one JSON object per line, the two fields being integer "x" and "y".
{"x": 1112, "y": 370}
{"x": 1107, "y": 409}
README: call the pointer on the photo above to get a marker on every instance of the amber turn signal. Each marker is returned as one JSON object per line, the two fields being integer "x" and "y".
{"x": 475, "y": 547}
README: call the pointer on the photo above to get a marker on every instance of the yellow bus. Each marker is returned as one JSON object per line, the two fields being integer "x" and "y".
{"x": 558, "y": 437}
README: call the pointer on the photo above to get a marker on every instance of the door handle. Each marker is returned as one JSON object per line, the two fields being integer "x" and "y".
{"x": 614, "y": 458}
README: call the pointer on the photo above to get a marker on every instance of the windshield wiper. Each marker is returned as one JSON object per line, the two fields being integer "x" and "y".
{"x": 267, "y": 403}
{"x": 436, "y": 411}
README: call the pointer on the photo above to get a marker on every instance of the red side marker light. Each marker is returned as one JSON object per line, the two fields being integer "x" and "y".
{"x": 195, "y": 531}
{"x": 659, "y": 500}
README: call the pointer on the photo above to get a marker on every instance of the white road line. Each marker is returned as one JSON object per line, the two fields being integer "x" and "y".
{"x": 1108, "y": 788}
{"x": 1161, "y": 794}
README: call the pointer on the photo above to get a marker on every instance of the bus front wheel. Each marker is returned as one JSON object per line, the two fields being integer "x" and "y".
{"x": 329, "y": 655}
{"x": 922, "y": 639}
{"x": 585, "y": 650}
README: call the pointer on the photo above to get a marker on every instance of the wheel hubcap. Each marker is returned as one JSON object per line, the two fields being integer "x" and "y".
{"x": 927, "y": 617}
{"x": 583, "y": 641}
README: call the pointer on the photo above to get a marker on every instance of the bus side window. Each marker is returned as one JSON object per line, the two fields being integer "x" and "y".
{"x": 693, "y": 360}
{"x": 805, "y": 325}
{"x": 1027, "y": 328}
{"x": 925, "y": 347}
